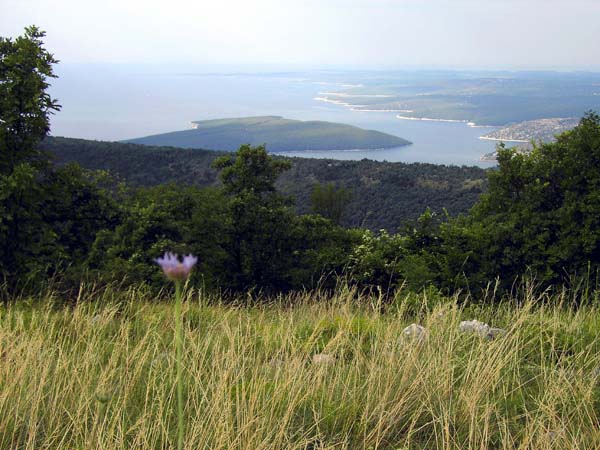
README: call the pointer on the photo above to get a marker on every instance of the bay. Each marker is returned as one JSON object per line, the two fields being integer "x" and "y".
{"x": 117, "y": 102}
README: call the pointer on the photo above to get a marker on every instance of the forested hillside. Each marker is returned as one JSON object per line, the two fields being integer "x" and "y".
{"x": 383, "y": 195}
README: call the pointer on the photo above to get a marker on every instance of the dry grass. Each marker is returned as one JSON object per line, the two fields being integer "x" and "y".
{"x": 101, "y": 376}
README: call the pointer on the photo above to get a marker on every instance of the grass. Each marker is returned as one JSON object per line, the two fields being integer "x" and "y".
{"x": 101, "y": 374}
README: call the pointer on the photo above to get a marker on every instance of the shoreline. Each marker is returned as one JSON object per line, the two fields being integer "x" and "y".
{"x": 363, "y": 108}
{"x": 346, "y": 95}
{"x": 358, "y": 108}
{"x": 322, "y": 96}
{"x": 429, "y": 119}
{"x": 382, "y": 110}
{"x": 341, "y": 150}
{"x": 522, "y": 141}
{"x": 337, "y": 102}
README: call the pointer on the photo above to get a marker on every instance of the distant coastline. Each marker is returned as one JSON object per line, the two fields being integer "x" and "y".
{"x": 369, "y": 108}
{"x": 358, "y": 108}
{"x": 337, "y": 102}
{"x": 486, "y": 138}
{"x": 429, "y": 119}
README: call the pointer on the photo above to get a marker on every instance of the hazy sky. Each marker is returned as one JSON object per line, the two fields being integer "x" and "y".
{"x": 371, "y": 33}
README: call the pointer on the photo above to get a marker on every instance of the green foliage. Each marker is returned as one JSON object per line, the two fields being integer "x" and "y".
{"x": 48, "y": 221}
{"x": 541, "y": 212}
{"x": 374, "y": 260}
{"x": 48, "y": 218}
{"x": 25, "y": 238}
{"x": 245, "y": 234}
{"x": 539, "y": 219}
{"x": 384, "y": 195}
{"x": 165, "y": 218}
{"x": 320, "y": 252}
{"x": 330, "y": 202}
{"x": 25, "y": 106}
{"x": 261, "y": 219}
{"x": 251, "y": 171}
{"x": 390, "y": 261}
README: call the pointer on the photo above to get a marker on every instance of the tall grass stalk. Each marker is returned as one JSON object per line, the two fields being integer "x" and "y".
{"x": 179, "y": 345}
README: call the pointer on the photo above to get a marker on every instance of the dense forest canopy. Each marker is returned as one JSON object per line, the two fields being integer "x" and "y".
{"x": 384, "y": 195}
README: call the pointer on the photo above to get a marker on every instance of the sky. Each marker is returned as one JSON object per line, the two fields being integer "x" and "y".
{"x": 511, "y": 34}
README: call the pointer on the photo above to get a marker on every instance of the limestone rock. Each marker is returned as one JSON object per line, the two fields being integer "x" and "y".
{"x": 482, "y": 329}
{"x": 474, "y": 327}
{"x": 415, "y": 333}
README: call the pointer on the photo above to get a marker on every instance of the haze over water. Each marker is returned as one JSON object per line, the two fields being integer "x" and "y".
{"x": 116, "y": 102}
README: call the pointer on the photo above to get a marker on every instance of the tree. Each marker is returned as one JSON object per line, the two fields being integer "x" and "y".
{"x": 330, "y": 202}
{"x": 25, "y": 106}
{"x": 251, "y": 170}
{"x": 49, "y": 217}
{"x": 49, "y": 221}
{"x": 261, "y": 219}
{"x": 541, "y": 212}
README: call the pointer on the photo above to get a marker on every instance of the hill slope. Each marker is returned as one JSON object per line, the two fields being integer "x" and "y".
{"x": 277, "y": 133}
{"x": 384, "y": 195}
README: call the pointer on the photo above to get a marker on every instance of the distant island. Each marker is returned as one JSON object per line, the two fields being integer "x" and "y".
{"x": 523, "y": 133}
{"x": 277, "y": 133}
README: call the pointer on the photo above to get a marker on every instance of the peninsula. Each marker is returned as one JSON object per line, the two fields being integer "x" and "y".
{"x": 542, "y": 130}
{"x": 277, "y": 133}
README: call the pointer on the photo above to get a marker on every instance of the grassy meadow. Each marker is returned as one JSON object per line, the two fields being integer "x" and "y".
{"x": 307, "y": 371}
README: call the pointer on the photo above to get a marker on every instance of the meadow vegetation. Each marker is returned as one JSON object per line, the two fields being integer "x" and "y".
{"x": 301, "y": 371}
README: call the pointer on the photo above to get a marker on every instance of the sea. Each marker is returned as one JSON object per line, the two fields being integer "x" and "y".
{"x": 116, "y": 102}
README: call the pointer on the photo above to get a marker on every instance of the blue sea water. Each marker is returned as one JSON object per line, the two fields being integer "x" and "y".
{"x": 116, "y": 102}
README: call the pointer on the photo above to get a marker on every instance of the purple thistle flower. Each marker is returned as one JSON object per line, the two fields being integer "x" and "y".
{"x": 174, "y": 269}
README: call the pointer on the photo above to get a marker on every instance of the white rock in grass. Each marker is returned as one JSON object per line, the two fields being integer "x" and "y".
{"x": 480, "y": 328}
{"x": 415, "y": 333}
{"x": 474, "y": 327}
{"x": 323, "y": 358}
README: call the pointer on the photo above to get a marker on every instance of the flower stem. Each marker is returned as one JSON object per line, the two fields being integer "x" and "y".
{"x": 179, "y": 349}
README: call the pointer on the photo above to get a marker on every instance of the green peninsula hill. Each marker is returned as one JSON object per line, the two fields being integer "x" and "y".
{"x": 277, "y": 133}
